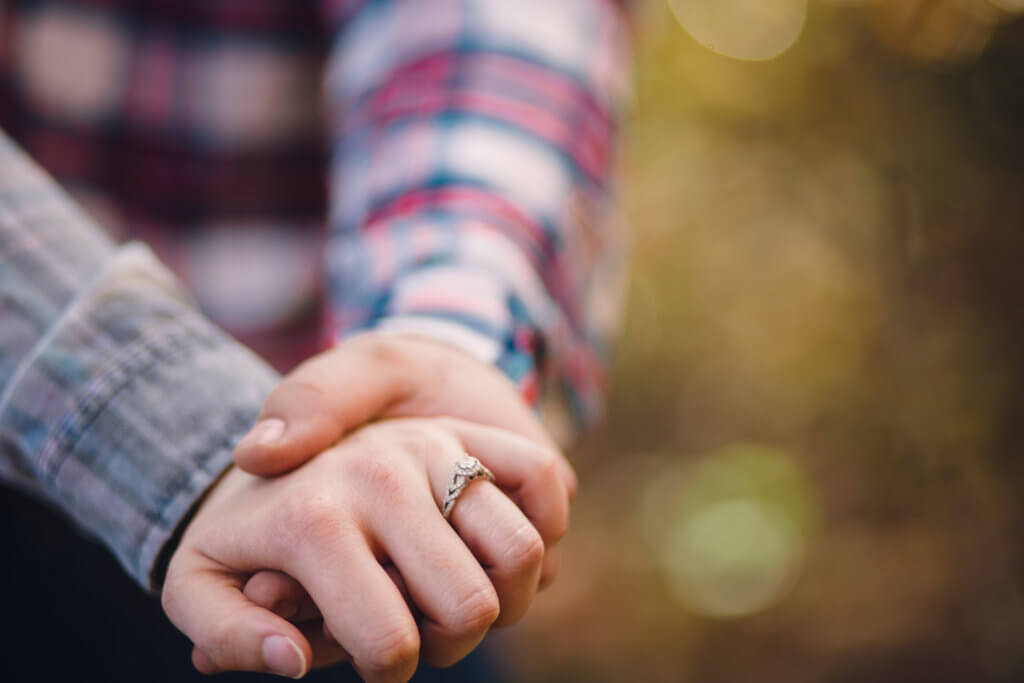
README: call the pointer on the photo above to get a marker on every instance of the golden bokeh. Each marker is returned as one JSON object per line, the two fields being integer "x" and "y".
{"x": 810, "y": 469}
{"x": 743, "y": 29}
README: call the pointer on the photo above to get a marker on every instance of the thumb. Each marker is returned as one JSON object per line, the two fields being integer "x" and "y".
{"x": 329, "y": 394}
{"x": 229, "y": 631}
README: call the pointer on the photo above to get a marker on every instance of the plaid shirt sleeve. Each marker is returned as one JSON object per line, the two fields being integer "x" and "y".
{"x": 119, "y": 404}
{"x": 472, "y": 153}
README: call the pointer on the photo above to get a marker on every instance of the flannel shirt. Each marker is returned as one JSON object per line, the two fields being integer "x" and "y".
{"x": 309, "y": 170}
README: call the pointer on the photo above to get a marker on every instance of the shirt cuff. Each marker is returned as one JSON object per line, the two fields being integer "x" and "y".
{"x": 477, "y": 293}
{"x": 128, "y": 410}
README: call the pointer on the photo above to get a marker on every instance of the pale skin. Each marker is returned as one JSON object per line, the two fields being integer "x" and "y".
{"x": 345, "y": 554}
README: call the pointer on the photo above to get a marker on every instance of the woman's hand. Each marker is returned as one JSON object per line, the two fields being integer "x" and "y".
{"x": 373, "y": 376}
{"x": 359, "y": 527}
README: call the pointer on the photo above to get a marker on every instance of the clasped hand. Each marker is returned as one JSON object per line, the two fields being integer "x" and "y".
{"x": 344, "y": 554}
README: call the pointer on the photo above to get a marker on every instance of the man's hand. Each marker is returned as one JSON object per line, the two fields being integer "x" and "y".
{"x": 374, "y": 376}
{"x": 359, "y": 527}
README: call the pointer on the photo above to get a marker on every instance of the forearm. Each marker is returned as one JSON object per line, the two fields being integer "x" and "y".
{"x": 471, "y": 180}
{"x": 118, "y": 402}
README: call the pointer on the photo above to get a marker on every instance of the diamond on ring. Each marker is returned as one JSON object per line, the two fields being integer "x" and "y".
{"x": 467, "y": 470}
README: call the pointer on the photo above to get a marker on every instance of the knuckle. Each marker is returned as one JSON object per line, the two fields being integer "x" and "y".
{"x": 525, "y": 548}
{"x": 315, "y": 517}
{"x": 429, "y": 443}
{"x": 393, "y": 648}
{"x": 548, "y": 461}
{"x": 556, "y": 528}
{"x": 381, "y": 473}
{"x": 218, "y": 642}
{"x": 476, "y": 611}
{"x": 548, "y": 469}
{"x": 386, "y": 352}
{"x": 297, "y": 390}
{"x": 386, "y": 456}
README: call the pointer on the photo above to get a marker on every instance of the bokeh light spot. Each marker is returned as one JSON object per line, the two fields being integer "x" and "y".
{"x": 734, "y": 558}
{"x": 752, "y": 30}
{"x": 731, "y": 532}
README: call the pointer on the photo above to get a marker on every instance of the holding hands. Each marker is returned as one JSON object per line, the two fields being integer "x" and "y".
{"x": 348, "y": 541}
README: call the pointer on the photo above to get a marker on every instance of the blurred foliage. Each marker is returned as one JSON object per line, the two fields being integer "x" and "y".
{"x": 823, "y": 334}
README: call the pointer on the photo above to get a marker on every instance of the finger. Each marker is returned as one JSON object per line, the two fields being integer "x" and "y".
{"x": 456, "y": 600}
{"x": 396, "y": 578}
{"x": 572, "y": 482}
{"x": 362, "y": 607}
{"x": 203, "y": 663}
{"x": 326, "y": 651}
{"x": 506, "y": 544}
{"x": 399, "y": 582}
{"x": 529, "y": 473}
{"x": 375, "y": 375}
{"x": 282, "y": 595}
{"x": 550, "y": 569}
{"x": 499, "y": 535}
{"x": 313, "y": 407}
{"x": 231, "y": 632}
{"x": 285, "y": 597}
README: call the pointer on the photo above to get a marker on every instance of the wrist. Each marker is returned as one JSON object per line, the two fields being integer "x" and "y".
{"x": 163, "y": 558}
{"x": 447, "y": 333}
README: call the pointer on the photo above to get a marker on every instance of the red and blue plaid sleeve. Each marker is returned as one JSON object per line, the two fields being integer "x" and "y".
{"x": 472, "y": 151}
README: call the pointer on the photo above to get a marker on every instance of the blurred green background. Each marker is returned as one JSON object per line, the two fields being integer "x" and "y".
{"x": 811, "y": 466}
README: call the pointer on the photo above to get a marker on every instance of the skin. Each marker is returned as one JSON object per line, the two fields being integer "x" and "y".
{"x": 343, "y": 552}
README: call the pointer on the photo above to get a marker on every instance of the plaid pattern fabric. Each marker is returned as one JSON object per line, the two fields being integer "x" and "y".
{"x": 194, "y": 126}
{"x": 470, "y": 181}
{"x": 119, "y": 403}
{"x": 309, "y": 169}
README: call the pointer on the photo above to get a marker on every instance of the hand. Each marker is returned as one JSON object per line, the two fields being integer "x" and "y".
{"x": 373, "y": 376}
{"x": 354, "y": 526}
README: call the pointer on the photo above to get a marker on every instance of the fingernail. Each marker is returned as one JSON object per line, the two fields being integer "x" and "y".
{"x": 283, "y": 657}
{"x": 264, "y": 433}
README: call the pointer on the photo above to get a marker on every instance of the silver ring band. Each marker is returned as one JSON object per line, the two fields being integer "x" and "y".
{"x": 467, "y": 470}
